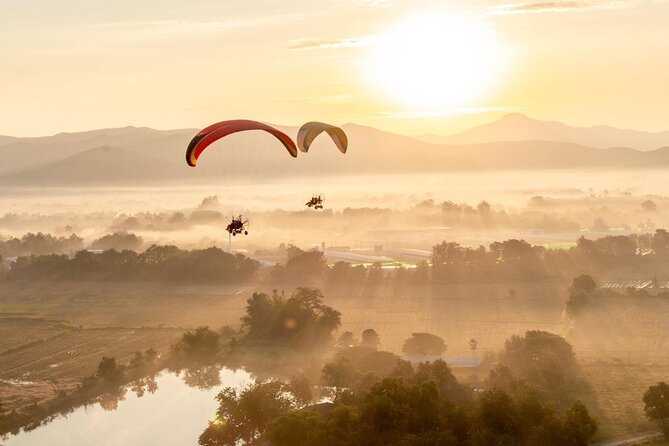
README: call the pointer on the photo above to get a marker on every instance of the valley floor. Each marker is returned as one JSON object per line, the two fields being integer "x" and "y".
{"x": 52, "y": 334}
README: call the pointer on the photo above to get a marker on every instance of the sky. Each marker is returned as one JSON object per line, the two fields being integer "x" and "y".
{"x": 408, "y": 66}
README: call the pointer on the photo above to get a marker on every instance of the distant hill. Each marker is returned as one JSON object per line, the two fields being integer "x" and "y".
{"x": 22, "y": 153}
{"x": 98, "y": 166}
{"x": 532, "y": 155}
{"x": 6, "y": 139}
{"x": 138, "y": 155}
{"x": 248, "y": 154}
{"x": 518, "y": 127}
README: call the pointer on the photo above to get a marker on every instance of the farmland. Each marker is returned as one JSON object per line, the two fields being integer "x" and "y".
{"x": 53, "y": 334}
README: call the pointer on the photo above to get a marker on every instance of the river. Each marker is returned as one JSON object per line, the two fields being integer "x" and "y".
{"x": 175, "y": 414}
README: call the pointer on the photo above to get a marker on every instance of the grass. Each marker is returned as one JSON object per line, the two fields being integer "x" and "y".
{"x": 619, "y": 389}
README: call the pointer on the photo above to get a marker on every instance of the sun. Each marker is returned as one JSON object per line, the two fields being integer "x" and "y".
{"x": 437, "y": 61}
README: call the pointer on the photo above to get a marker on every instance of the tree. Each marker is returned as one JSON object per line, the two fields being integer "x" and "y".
{"x": 498, "y": 419}
{"x": 40, "y": 244}
{"x": 340, "y": 373}
{"x": 660, "y": 243}
{"x": 396, "y": 412}
{"x": 305, "y": 266}
{"x": 210, "y": 203}
{"x": 500, "y": 377}
{"x": 576, "y": 302}
{"x": 422, "y": 406}
{"x": 243, "y": 416}
{"x": 379, "y": 363}
{"x": 370, "y": 338}
{"x": 473, "y": 345}
{"x": 648, "y": 206}
{"x": 156, "y": 263}
{"x": 305, "y": 428}
{"x": 584, "y": 282}
{"x": 138, "y": 361}
{"x": 203, "y": 341}
{"x": 118, "y": 240}
{"x": 547, "y": 362}
{"x": 581, "y": 290}
{"x": 518, "y": 260}
{"x": 483, "y": 208}
{"x": 425, "y": 204}
{"x": 338, "y": 274}
{"x": 656, "y": 400}
{"x": 109, "y": 371}
{"x": 440, "y": 373}
{"x": 302, "y": 320}
{"x": 424, "y": 344}
{"x": 580, "y": 425}
{"x": 150, "y": 355}
{"x": 300, "y": 388}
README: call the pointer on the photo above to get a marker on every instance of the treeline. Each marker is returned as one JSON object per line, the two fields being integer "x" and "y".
{"x": 517, "y": 260}
{"x": 43, "y": 244}
{"x": 429, "y": 213}
{"x": 40, "y": 244}
{"x": 425, "y": 213}
{"x": 507, "y": 261}
{"x": 163, "y": 263}
{"x": 484, "y": 216}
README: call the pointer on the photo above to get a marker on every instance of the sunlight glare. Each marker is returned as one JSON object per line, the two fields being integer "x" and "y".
{"x": 438, "y": 61}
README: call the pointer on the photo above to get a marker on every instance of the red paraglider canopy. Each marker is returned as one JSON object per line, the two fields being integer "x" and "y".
{"x": 214, "y": 132}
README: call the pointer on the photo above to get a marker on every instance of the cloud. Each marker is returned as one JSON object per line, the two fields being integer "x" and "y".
{"x": 167, "y": 28}
{"x": 311, "y": 43}
{"x": 558, "y": 6}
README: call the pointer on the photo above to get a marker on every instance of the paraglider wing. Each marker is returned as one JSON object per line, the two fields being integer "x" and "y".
{"x": 219, "y": 130}
{"x": 309, "y": 131}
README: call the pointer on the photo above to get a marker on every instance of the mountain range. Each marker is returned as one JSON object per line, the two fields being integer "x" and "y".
{"x": 140, "y": 155}
{"x": 518, "y": 127}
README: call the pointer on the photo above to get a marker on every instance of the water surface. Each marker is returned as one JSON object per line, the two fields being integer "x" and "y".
{"x": 175, "y": 414}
